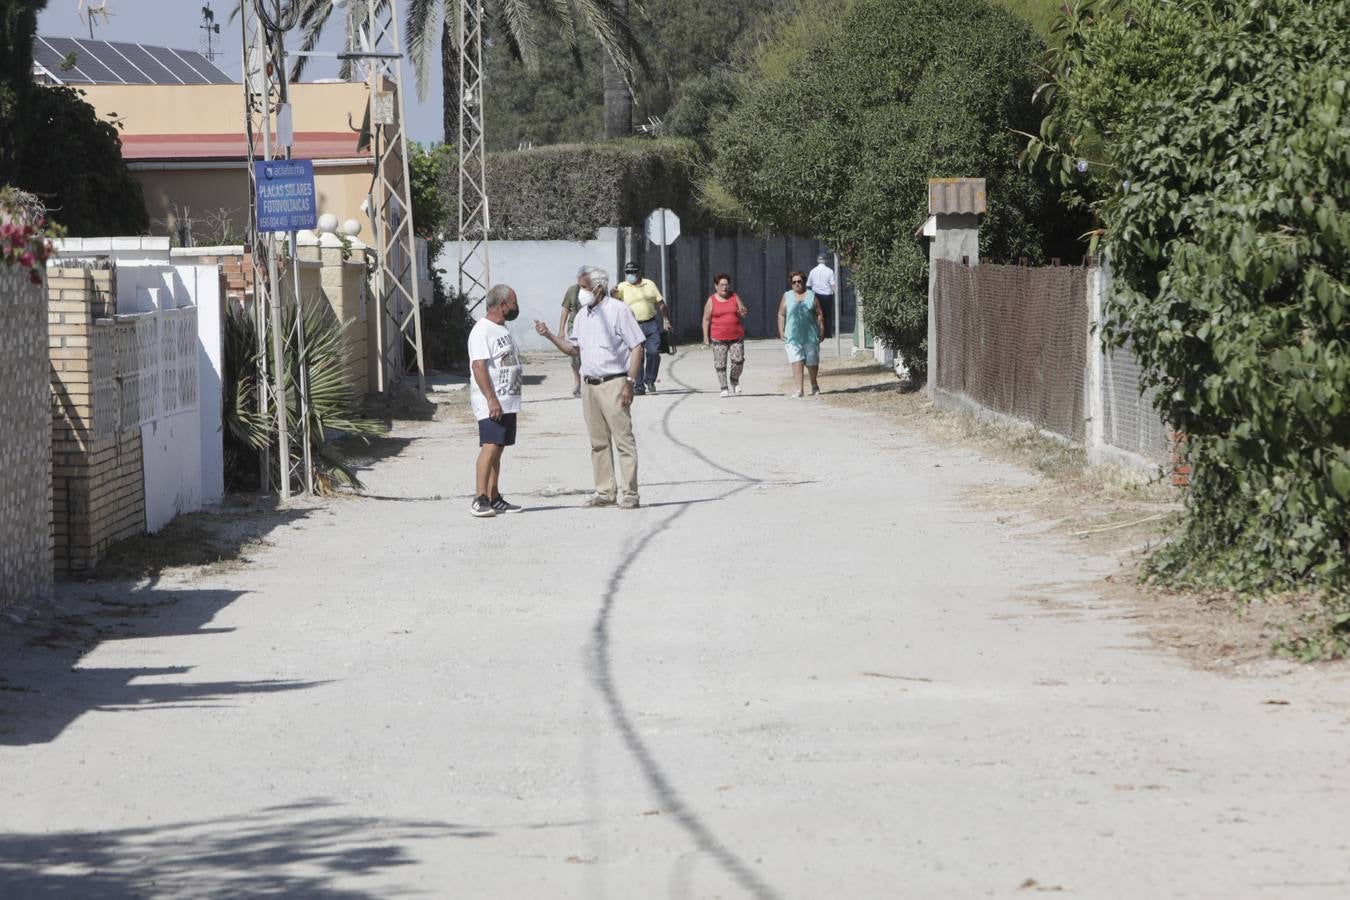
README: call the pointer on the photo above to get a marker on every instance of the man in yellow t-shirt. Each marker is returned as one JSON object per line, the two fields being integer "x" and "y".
{"x": 649, "y": 308}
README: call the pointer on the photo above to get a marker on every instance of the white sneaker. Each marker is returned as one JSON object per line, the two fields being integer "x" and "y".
{"x": 736, "y": 388}
{"x": 726, "y": 393}
{"x": 796, "y": 393}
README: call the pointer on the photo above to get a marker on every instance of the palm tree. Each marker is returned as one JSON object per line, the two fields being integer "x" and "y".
{"x": 514, "y": 21}
{"x": 618, "y": 91}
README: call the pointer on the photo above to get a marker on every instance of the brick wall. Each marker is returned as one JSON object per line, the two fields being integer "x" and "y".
{"x": 98, "y": 496}
{"x": 236, "y": 270}
{"x": 25, "y": 442}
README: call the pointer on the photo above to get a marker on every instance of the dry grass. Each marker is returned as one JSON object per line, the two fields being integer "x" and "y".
{"x": 1102, "y": 510}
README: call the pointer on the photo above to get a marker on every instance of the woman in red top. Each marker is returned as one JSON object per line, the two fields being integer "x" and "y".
{"x": 723, "y": 329}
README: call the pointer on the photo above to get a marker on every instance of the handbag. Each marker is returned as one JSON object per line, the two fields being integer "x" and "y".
{"x": 667, "y": 342}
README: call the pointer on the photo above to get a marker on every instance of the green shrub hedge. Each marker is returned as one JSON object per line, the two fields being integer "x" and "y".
{"x": 850, "y": 112}
{"x": 1230, "y": 231}
{"x": 567, "y": 191}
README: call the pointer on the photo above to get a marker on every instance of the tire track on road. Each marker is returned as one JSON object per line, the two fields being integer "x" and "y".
{"x": 603, "y": 673}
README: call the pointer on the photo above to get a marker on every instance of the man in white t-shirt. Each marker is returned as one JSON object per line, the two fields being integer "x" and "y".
{"x": 820, "y": 281}
{"x": 495, "y": 395}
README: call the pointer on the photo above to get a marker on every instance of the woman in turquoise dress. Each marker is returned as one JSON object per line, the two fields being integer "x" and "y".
{"x": 800, "y": 325}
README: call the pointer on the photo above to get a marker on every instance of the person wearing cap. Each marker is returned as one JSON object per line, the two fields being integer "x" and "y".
{"x": 820, "y": 281}
{"x": 649, "y": 307}
{"x": 606, "y": 338}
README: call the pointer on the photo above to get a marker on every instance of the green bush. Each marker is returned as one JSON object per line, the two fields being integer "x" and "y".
{"x": 1111, "y": 62}
{"x": 1228, "y": 226}
{"x": 446, "y": 323}
{"x": 848, "y": 114}
{"x": 566, "y": 192}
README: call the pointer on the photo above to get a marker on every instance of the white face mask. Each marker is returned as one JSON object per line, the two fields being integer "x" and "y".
{"x": 585, "y": 297}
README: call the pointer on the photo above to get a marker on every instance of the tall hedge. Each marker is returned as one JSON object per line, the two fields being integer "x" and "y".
{"x": 1229, "y": 227}
{"x": 567, "y": 191}
{"x": 846, "y": 117}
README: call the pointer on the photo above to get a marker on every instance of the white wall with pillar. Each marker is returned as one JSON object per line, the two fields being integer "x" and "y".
{"x": 183, "y": 459}
{"x": 540, "y": 272}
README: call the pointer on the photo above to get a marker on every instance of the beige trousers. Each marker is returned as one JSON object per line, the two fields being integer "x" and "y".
{"x": 608, "y": 422}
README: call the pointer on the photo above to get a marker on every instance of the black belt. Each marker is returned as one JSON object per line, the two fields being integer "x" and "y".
{"x": 591, "y": 379}
{"x": 646, "y": 320}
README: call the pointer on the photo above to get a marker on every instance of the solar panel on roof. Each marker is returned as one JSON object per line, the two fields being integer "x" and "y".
{"x": 205, "y": 67}
{"x": 47, "y": 57}
{"x": 87, "y": 62}
{"x": 110, "y": 62}
{"x": 62, "y": 47}
{"x": 117, "y": 63}
{"x": 138, "y": 56}
{"x": 175, "y": 65}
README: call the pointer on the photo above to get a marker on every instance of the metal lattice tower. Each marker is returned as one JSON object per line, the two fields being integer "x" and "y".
{"x": 474, "y": 271}
{"x": 379, "y": 49}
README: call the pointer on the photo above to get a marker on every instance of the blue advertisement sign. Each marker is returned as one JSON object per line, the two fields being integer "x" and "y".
{"x": 286, "y": 200}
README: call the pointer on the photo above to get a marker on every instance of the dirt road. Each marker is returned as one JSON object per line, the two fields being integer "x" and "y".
{"x": 806, "y": 668}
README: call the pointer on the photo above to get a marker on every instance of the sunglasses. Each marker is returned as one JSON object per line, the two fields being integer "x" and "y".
{"x": 797, "y": 281}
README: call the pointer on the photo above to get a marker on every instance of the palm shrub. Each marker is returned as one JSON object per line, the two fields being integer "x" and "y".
{"x": 332, "y": 399}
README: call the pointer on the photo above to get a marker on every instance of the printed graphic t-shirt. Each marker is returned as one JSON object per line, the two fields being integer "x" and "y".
{"x": 493, "y": 342}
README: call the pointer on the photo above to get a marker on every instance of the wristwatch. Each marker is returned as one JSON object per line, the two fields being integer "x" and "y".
{"x": 632, "y": 381}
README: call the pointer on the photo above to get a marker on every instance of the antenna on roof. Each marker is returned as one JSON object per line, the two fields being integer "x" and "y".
{"x": 210, "y": 26}
{"x": 91, "y": 12}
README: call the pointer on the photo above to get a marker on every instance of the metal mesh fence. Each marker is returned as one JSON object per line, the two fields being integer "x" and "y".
{"x": 1129, "y": 420}
{"x": 1013, "y": 339}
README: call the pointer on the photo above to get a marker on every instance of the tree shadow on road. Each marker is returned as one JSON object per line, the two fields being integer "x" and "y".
{"x": 44, "y": 688}
{"x": 299, "y": 850}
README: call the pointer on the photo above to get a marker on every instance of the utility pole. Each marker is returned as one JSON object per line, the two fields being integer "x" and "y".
{"x": 474, "y": 221}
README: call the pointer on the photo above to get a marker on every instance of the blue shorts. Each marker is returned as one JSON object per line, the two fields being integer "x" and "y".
{"x": 808, "y": 353}
{"x": 501, "y": 432}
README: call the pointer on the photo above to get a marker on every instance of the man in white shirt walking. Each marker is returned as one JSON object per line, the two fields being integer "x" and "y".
{"x": 607, "y": 337}
{"x": 820, "y": 281}
{"x": 495, "y": 395}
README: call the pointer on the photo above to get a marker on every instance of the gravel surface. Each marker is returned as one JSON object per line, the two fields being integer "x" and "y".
{"x": 807, "y": 667}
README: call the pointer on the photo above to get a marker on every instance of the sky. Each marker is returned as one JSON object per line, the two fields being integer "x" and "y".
{"x": 177, "y": 24}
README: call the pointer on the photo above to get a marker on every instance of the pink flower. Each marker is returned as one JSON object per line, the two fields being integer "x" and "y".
{"x": 26, "y": 259}
{"x": 35, "y": 276}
